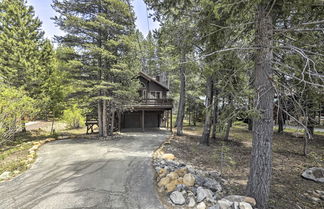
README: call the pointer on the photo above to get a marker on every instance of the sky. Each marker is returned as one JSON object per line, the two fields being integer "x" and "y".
{"x": 44, "y": 12}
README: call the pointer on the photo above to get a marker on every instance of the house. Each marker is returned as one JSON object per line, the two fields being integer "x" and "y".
{"x": 154, "y": 109}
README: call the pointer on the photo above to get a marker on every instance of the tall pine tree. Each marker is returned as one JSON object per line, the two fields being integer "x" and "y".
{"x": 101, "y": 36}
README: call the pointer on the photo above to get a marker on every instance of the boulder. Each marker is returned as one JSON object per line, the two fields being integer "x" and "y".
{"x": 173, "y": 175}
{"x": 163, "y": 172}
{"x": 245, "y": 205}
{"x": 201, "y": 194}
{"x": 171, "y": 186}
{"x": 315, "y": 174}
{"x": 189, "y": 180}
{"x": 213, "y": 185}
{"x": 168, "y": 156}
{"x": 182, "y": 171}
{"x": 177, "y": 198}
{"x": 238, "y": 198}
{"x": 181, "y": 187}
{"x": 235, "y": 205}
{"x": 192, "y": 202}
{"x": 224, "y": 204}
{"x": 5, "y": 175}
{"x": 164, "y": 181}
{"x": 199, "y": 180}
{"x": 201, "y": 205}
{"x": 214, "y": 207}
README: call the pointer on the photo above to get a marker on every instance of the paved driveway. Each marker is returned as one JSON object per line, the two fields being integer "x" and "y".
{"x": 92, "y": 174}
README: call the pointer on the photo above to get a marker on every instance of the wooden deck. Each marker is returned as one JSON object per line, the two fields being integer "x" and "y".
{"x": 163, "y": 104}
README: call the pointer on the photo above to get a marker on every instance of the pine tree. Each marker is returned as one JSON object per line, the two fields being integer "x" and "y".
{"x": 101, "y": 36}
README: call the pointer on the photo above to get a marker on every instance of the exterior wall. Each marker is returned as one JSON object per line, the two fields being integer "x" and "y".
{"x": 152, "y": 86}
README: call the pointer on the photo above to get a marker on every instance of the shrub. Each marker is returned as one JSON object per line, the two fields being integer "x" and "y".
{"x": 73, "y": 117}
{"x": 14, "y": 106}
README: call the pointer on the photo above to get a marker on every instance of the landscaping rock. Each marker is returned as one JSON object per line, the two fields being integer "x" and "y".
{"x": 199, "y": 180}
{"x": 181, "y": 187}
{"x": 173, "y": 175}
{"x": 238, "y": 198}
{"x": 213, "y": 185}
{"x": 5, "y": 175}
{"x": 201, "y": 205}
{"x": 192, "y": 202}
{"x": 171, "y": 186}
{"x": 224, "y": 204}
{"x": 214, "y": 207}
{"x": 177, "y": 198}
{"x": 201, "y": 194}
{"x": 182, "y": 171}
{"x": 164, "y": 181}
{"x": 189, "y": 180}
{"x": 245, "y": 205}
{"x": 168, "y": 157}
{"x": 316, "y": 174}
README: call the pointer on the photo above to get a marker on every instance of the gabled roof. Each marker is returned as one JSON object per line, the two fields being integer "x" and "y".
{"x": 151, "y": 79}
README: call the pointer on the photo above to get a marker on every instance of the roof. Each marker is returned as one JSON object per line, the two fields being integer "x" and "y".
{"x": 149, "y": 78}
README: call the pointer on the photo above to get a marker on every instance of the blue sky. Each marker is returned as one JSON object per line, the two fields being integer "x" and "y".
{"x": 44, "y": 11}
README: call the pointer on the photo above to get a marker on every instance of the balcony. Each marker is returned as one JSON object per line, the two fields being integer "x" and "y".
{"x": 166, "y": 104}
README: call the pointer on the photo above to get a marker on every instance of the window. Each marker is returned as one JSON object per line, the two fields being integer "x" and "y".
{"x": 156, "y": 94}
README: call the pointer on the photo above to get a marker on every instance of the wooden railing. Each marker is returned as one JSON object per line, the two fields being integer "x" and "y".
{"x": 156, "y": 101}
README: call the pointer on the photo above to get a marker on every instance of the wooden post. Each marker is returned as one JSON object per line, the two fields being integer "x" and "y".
{"x": 143, "y": 120}
{"x": 171, "y": 120}
{"x": 167, "y": 120}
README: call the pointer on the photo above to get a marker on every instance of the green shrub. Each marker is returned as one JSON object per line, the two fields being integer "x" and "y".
{"x": 73, "y": 117}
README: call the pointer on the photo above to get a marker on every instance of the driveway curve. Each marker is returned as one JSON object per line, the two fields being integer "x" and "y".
{"x": 92, "y": 174}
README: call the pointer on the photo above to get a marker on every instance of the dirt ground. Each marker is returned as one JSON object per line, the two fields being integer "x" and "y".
{"x": 289, "y": 190}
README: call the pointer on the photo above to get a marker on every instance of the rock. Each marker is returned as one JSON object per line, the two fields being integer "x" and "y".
{"x": 16, "y": 172}
{"x": 214, "y": 174}
{"x": 212, "y": 185}
{"x": 314, "y": 199}
{"x": 214, "y": 207}
{"x": 5, "y": 175}
{"x": 182, "y": 171}
{"x": 164, "y": 181}
{"x": 177, "y": 198}
{"x": 250, "y": 200}
{"x": 210, "y": 196}
{"x": 224, "y": 204}
{"x": 173, "y": 175}
{"x": 238, "y": 198}
{"x": 189, "y": 180}
{"x": 181, "y": 187}
{"x": 168, "y": 156}
{"x": 199, "y": 180}
{"x": 316, "y": 174}
{"x": 192, "y": 202}
{"x": 201, "y": 205}
{"x": 163, "y": 172}
{"x": 202, "y": 194}
{"x": 245, "y": 205}
{"x": 319, "y": 192}
{"x": 171, "y": 186}
{"x": 235, "y": 205}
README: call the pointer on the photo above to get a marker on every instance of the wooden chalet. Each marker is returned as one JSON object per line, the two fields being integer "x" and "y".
{"x": 154, "y": 109}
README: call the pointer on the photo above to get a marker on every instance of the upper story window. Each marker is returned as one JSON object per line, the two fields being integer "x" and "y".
{"x": 156, "y": 95}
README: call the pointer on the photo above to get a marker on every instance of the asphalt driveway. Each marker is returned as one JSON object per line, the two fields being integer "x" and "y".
{"x": 84, "y": 173}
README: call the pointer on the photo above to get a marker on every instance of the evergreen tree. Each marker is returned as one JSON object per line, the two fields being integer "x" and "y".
{"x": 101, "y": 36}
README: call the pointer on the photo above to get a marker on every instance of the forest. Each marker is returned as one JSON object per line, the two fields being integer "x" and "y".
{"x": 249, "y": 71}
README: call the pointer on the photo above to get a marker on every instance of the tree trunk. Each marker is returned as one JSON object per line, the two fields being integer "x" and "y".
{"x": 261, "y": 160}
{"x": 181, "y": 108}
{"x": 104, "y": 119}
{"x": 215, "y": 111}
{"x": 100, "y": 118}
{"x": 230, "y": 121}
{"x": 209, "y": 101}
{"x": 112, "y": 120}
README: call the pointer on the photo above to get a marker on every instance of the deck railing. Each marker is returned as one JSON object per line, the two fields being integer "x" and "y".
{"x": 156, "y": 102}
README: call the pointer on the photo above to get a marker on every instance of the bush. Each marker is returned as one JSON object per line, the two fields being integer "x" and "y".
{"x": 14, "y": 106}
{"x": 73, "y": 117}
